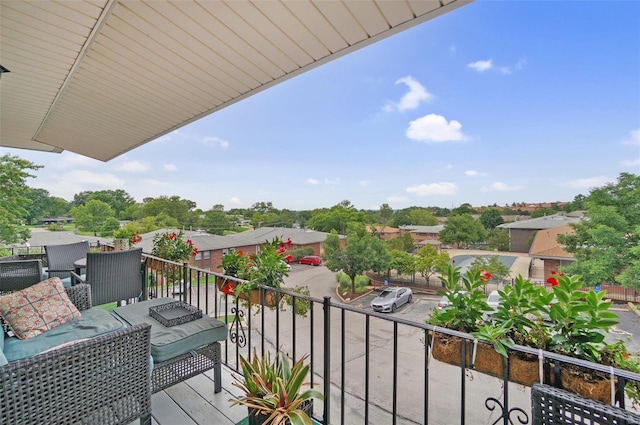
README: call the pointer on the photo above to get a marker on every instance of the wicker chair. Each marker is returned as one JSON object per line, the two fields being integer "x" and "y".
{"x": 19, "y": 274}
{"x": 103, "y": 380}
{"x": 552, "y": 406}
{"x": 114, "y": 276}
{"x": 60, "y": 258}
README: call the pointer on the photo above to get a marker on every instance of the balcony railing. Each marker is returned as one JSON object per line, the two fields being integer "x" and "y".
{"x": 372, "y": 368}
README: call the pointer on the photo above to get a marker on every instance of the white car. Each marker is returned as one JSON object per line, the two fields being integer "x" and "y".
{"x": 392, "y": 298}
{"x": 493, "y": 300}
{"x": 444, "y": 301}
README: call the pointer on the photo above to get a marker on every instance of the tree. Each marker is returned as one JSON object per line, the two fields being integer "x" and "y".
{"x": 542, "y": 212}
{"x": 385, "y": 214}
{"x": 429, "y": 261}
{"x": 216, "y": 222}
{"x": 14, "y": 172}
{"x": 422, "y": 217}
{"x": 172, "y": 206}
{"x": 402, "y": 262}
{"x": 606, "y": 245}
{"x": 499, "y": 239}
{"x": 92, "y": 216}
{"x": 462, "y": 229}
{"x": 465, "y": 208}
{"x": 336, "y": 218}
{"x": 491, "y": 218}
{"x": 38, "y": 208}
{"x": 117, "y": 199}
{"x": 362, "y": 252}
{"x": 402, "y": 243}
{"x": 491, "y": 264}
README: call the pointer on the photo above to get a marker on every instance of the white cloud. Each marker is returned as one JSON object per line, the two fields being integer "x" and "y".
{"x": 435, "y": 128}
{"x": 323, "y": 181}
{"x": 474, "y": 173}
{"x": 631, "y": 163}
{"x": 442, "y": 188}
{"x": 234, "y": 200}
{"x": 505, "y": 70}
{"x": 169, "y": 167}
{"x": 500, "y": 187}
{"x": 634, "y": 138}
{"x": 215, "y": 141}
{"x": 520, "y": 64}
{"x": 133, "y": 167}
{"x": 481, "y": 66}
{"x": 589, "y": 183}
{"x": 411, "y": 100}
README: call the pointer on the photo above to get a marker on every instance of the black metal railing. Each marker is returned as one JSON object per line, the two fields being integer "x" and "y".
{"x": 375, "y": 368}
{"x": 372, "y": 368}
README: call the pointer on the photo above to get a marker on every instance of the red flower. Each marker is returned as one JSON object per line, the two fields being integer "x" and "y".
{"x": 239, "y": 252}
{"x": 227, "y": 288}
{"x": 189, "y": 242}
{"x": 553, "y": 272}
{"x": 172, "y": 236}
{"x": 195, "y": 251}
{"x": 553, "y": 281}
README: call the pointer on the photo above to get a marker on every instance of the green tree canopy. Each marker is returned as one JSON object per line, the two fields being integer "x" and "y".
{"x": 337, "y": 218}
{"x": 14, "y": 202}
{"x": 429, "y": 261}
{"x": 173, "y": 206}
{"x": 117, "y": 199}
{"x": 402, "y": 243}
{"x": 606, "y": 245}
{"x": 499, "y": 239}
{"x": 216, "y": 222}
{"x": 422, "y": 217}
{"x": 362, "y": 252}
{"x": 462, "y": 230}
{"x": 92, "y": 216}
{"x": 542, "y": 211}
{"x": 491, "y": 218}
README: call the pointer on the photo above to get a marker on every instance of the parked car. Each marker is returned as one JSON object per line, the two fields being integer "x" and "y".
{"x": 312, "y": 260}
{"x": 392, "y": 298}
{"x": 493, "y": 300}
{"x": 444, "y": 301}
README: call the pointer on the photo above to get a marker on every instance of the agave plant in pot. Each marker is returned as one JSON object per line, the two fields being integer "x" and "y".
{"x": 272, "y": 390}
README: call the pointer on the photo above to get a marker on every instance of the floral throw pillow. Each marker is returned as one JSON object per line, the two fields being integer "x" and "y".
{"x": 38, "y": 308}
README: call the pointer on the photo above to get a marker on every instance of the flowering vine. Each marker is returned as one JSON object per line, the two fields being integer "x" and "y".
{"x": 173, "y": 247}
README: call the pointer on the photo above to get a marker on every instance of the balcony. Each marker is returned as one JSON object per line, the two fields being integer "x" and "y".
{"x": 373, "y": 368}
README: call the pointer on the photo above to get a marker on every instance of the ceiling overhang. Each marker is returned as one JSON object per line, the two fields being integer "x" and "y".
{"x": 101, "y": 77}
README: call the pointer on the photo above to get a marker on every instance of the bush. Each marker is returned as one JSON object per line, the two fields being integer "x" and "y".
{"x": 301, "y": 252}
{"x": 344, "y": 282}
{"x": 55, "y": 227}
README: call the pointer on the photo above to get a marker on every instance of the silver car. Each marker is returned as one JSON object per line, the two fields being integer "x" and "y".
{"x": 391, "y": 298}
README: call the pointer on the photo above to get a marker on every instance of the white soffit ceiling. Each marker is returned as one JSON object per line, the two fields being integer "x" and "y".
{"x": 101, "y": 77}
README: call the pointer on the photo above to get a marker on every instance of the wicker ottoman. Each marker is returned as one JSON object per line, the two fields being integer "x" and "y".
{"x": 182, "y": 351}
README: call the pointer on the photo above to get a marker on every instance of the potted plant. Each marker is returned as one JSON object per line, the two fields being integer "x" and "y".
{"x": 267, "y": 267}
{"x": 464, "y": 311}
{"x": 272, "y": 390}
{"x": 173, "y": 247}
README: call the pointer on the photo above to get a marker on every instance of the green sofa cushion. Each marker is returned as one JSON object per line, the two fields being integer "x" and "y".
{"x": 170, "y": 342}
{"x": 92, "y": 322}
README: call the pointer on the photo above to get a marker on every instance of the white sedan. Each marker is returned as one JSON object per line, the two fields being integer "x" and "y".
{"x": 392, "y": 298}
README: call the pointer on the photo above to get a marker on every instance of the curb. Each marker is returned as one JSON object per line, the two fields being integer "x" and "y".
{"x": 633, "y": 308}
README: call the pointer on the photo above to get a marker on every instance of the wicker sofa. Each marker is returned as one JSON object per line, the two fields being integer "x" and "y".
{"x": 105, "y": 379}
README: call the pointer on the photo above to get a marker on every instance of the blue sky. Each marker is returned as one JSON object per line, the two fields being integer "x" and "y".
{"x": 495, "y": 102}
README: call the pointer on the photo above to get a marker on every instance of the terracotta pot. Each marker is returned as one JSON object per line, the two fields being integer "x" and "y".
{"x": 593, "y": 385}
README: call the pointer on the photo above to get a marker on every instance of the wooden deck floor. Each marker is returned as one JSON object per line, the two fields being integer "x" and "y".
{"x": 193, "y": 402}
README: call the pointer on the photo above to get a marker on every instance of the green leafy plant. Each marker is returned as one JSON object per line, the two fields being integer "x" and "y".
{"x": 497, "y": 335}
{"x": 466, "y": 298}
{"x": 267, "y": 267}
{"x": 617, "y": 355}
{"x": 274, "y": 387}
{"x": 579, "y": 320}
{"x": 172, "y": 246}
